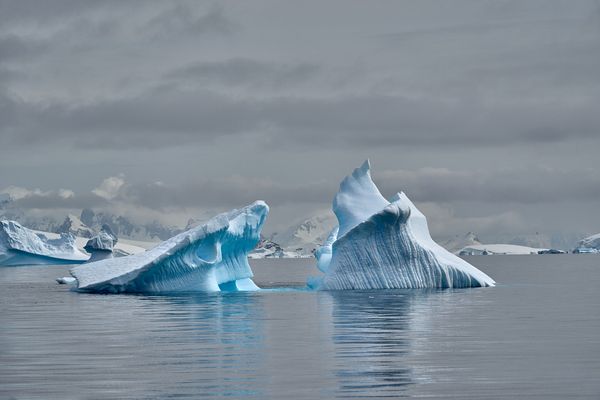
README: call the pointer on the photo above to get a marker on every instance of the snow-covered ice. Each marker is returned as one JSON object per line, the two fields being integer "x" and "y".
{"x": 590, "y": 244}
{"x": 209, "y": 257}
{"x": 22, "y": 246}
{"x": 500, "y": 248}
{"x": 101, "y": 245}
{"x": 383, "y": 244}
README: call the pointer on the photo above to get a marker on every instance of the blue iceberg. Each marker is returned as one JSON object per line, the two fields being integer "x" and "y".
{"x": 210, "y": 257}
{"x": 23, "y": 246}
{"x": 384, "y": 245}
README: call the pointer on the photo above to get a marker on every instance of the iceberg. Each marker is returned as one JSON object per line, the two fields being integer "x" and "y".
{"x": 22, "y": 246}
{"x": 385, "y": 245}
{"x": 590, "y": 244}
{"x": 210, "y": 257}
{"x": 499, "y": 248}
{"x": 101, "y": 245}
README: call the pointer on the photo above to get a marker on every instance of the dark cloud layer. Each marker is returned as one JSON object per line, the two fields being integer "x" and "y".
{"x": 55, "y": 201}
{"x": 166, "y": 118}
{"x": 495, "y": 187}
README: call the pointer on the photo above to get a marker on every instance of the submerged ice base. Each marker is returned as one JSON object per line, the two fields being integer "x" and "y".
{"x": 386, "y": 245}
{"x": 209, "y": 257}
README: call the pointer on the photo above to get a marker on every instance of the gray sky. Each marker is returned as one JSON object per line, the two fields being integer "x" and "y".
{"x": 486, "y": 113}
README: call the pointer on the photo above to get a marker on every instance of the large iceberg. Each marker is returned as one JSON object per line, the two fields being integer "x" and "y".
{"x": 381, "y": 245}
{"x": 210, "y": 257}
{"x": 22, "y": 246}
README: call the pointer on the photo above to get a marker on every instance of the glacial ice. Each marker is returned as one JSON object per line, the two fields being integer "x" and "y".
{"x": 209, "y": 257}
{"x": 323, "y": 253}
{"x": 382, "y": 244}
{"x": 101, "y": 245}
{"x": 22, "y": 246}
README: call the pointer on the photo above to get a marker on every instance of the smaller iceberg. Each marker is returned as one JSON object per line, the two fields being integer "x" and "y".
{"x": 66, "y": 280}
{"x": 210, "y": 257}
{"x": 588, "y": 245}
{"x": 101, "y": 245}
{"x": 22, "y": 246}
{"x": 385, "y": 245}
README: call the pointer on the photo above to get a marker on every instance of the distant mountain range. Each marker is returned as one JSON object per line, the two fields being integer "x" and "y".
{"x": 306, "y": 235}
{"x": 458, "y": 242}
{"x": 298, "y": 240}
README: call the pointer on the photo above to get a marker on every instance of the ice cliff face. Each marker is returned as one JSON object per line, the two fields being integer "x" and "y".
{"x": 101, "y": 246}
{"x": 22, "y": 246}
{"x": 209, "y": 257}
{"x": 382, "y": 244}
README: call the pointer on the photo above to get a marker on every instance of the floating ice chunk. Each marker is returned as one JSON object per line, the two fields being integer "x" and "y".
{"x": 323, "y": 253}
{"x": 22, "y": 246}
{"x": 101, "y": 246}
{"x": 386, "y": 245}
{"x": 66, "y": 280}
{"x": 209, "y": 257}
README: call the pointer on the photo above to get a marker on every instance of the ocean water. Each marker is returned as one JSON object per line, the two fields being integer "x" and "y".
{"x": 534, "y": 336}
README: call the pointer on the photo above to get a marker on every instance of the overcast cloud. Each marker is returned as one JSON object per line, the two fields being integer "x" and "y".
{"x": 484, "y": 112}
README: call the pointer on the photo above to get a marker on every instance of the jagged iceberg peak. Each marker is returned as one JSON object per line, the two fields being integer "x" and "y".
{"x": 101, "y": 245}
{"x": 210, "y": 257}
{"x": 22, "y": 246}
{"x": 386, "y": 245}
{"x": 357, "y": 199}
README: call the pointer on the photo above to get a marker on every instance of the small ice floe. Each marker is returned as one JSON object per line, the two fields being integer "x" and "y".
{"x": 66, "y": 280}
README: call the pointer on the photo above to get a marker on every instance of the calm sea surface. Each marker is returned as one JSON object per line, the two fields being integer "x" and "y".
{"x": 534, "y": 336}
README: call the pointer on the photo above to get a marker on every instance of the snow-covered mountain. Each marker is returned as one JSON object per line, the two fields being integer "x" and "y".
{"x": 500, "y": 248}
{"x": 4, "y": 200}
{"x": 268, "y": 249}
{"x": 35, "y": 222}
{"x": 125, "y": 228}
{"x": 458, "y": 242}
{"x": 307, "y": 235}
{"x": 72, "y": 224}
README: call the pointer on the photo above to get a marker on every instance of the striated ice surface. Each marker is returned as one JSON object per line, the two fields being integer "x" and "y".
{"x": 384, "y": 244}
{"x": 22, "y": 246}
{"x": 209, "y": 257}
